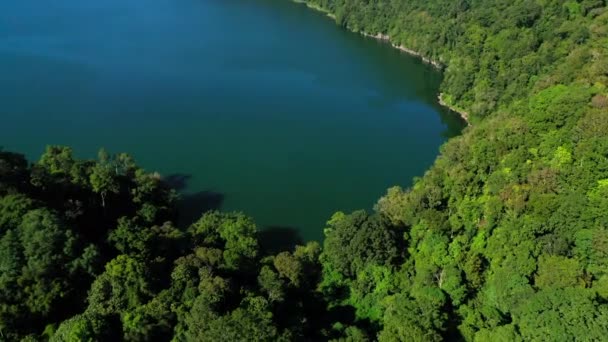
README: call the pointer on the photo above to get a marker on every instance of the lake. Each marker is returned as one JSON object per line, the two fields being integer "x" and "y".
{"x": 261, "y": 106}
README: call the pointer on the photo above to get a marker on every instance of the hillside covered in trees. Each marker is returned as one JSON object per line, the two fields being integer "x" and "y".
{"x": 503, "y": 239}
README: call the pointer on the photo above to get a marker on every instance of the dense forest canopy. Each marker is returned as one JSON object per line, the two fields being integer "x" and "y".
{"x": 503, "y": 239}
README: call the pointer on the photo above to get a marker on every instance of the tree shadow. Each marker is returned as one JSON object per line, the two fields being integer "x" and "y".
{"x": 191, "y": 207}
{"x": 275, "y": 239}
{"x": 177, "y": 181}
{"x": 342, "y": 313}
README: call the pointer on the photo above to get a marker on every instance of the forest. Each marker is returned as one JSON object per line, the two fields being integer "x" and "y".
{"x": 504, "y": 238}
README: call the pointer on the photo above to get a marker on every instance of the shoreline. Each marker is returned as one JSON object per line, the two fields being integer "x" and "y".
{"x": 386, "y": 38}
{"x": 436, "y": 64}
{"x": 316, "y": 8}
{"x": 464, "y": 115}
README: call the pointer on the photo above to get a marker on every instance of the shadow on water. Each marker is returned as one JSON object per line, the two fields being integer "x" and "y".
{"x": 191, "y": 206}
{"x": 177, "y": 181}
{"x": 275, "y": 239}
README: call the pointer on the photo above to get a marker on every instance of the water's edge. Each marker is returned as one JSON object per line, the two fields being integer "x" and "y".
{"x": 386, "y": 38}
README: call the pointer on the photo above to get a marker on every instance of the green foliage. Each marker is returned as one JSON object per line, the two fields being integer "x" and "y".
{"x": 556, "y": 271}
{"x": 562, "y": 314}
{"x": 352, "y": 334}
{"x": 103, "y": 177}
{"x": 233, "y": 233}
{"x": 52, "y": 231}
{"x": 289, "y": 267}
{"x": 156, "y": 244}
{"x": 12, "y": 210}
{"x": 40, "y": 261}
{"x": 557, "y": 106}
{"x": 84, "y": 327}
{"x": 408, "y": 319}
{"x": 154, "y": 320}
{"x": 356, "y": 240}
{"x": 57, "y": 160}
{"x": 253, "y": 322}
{"x": 123, "y": 286}
{"x": 369, "y": 291}
{"x": 271, "y": 284}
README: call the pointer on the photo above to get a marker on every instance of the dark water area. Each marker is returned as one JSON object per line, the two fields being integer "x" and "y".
{"x": 261, "y": 106}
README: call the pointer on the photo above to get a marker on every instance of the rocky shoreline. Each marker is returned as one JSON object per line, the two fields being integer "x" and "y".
{"x": 464, "y": 115}
{"x": 387, "y": 38}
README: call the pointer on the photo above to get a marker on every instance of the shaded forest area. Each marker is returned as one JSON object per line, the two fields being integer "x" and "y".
{"x": 504, "y": 237}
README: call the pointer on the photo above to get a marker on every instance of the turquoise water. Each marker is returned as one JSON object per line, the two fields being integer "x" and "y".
{"x": 261, "y": 106}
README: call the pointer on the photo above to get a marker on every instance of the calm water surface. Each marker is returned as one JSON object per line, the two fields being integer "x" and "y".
{"x": 261, "y": 106}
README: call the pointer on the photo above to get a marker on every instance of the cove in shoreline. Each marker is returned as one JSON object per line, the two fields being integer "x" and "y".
{"x": 386, "y": 38}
